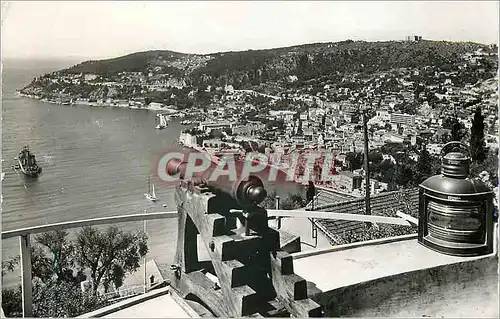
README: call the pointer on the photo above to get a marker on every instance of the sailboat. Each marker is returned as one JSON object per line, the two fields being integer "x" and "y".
{"x": 151, "y": 195}
{"x": 163, "y": 122}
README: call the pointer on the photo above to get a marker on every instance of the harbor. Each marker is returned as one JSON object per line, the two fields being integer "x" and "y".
{"x": 83, "y": 162}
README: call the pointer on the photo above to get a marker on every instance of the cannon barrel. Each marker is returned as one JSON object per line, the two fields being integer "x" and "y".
{"x": 246, "y": 191}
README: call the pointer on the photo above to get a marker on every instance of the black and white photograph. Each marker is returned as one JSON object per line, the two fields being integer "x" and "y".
{"x": 187, "y": 159}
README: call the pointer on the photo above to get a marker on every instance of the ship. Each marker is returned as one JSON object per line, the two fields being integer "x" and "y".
{"x": 27, "y": 163}
{"x": 162, "y": 122}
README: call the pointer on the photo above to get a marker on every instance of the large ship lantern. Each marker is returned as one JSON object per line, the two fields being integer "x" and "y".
{"x": 456, "y": 211}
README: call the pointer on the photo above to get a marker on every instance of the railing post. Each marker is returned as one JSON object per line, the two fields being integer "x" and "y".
{"x": 145, "y": 273}
{"x": 314, "y": 230}
{"x": 27, "y": 292}
{"x": 277, "y": 206}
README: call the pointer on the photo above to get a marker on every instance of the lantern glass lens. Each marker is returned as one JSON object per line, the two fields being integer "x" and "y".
{"x": 459, "y": 223}
{"x": 447, "y": 222}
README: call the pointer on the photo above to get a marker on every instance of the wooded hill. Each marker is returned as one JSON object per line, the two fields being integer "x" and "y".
{"x": 308, "y": 61}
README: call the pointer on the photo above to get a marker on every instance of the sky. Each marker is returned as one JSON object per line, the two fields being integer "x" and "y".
{"x": 101, "y": 29}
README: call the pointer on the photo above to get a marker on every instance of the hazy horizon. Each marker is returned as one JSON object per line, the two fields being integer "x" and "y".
{"x": 102, "y": 30}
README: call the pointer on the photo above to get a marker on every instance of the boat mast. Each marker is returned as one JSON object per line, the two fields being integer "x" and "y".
{"x": 28, "y": 157}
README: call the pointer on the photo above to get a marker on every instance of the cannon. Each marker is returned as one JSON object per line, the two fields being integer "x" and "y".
{"x": 245, "y": 191}
{"x": 247, "y": 274}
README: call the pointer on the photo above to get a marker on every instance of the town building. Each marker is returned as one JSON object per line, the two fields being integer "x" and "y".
{"x": 206, "y": 126}
{"x": 402, "y": 119}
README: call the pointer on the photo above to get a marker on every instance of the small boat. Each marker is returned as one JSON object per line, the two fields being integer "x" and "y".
{"x": 3, "y": 176}
{"x": 151, "y": 195}
{"x": 162, "y": 122}
{"x": 27, "y": 163}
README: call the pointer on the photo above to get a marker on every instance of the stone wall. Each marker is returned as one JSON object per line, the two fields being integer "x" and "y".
{"x": 464, "y": 289}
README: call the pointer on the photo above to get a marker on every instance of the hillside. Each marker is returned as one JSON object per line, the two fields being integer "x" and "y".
{"x": 316, "y": 60}
{"x": 185, "y": 79}
{"x": 135, "y": 62}
{"x": 309, "y": 61}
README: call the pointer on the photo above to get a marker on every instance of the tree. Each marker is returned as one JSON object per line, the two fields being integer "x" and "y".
{"x": 42, "y": 273}
{"x": 246, "y": 146}
{"x": 355, "y": 160}
{"x": 11, "y": 302}
{"x": 299, "y": 129}
{"x": 490, "y": 165}
{"x": 376, "y": 157}
{"x": 287, "y": 204}
{"x": 311, "y": 191}
{"x": 424, "y": 167}
{"x": 261, "y": 149}
{"x": 458, "y": 131}
{"x": 270, "y": 201}
{"x": 11, "y": 297}
{"x": 394, "y": 174}
{"x": 254, "y": 145}
{"x": 477, "y": 145}
{"x": 457, "y": 128}
{"x": 62, "y": 260}
{"x": 292, "y": 201}
{"x": 109, "y": 254}
{"x": 56, "y": 293}
{"x": 9, "y": 265}
{"x": 57, "y": 299}
{"x": 41, "y": 266}
{"x": 385, "y": 169}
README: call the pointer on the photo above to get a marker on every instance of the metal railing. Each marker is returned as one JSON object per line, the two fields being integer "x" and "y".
{"x": 25, "y": 245}
{"x": 129, "y": 291}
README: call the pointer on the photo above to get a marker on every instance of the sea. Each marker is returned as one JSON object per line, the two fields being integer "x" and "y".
{"x": 95, "y": 162}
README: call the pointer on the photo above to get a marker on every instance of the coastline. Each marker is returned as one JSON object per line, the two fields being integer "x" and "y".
{"x": 98, "y": 104}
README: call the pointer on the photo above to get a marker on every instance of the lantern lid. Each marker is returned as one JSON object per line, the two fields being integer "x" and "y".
{"x": 456, "y": 162}
{"x": 452, "y": 186}
{"x": 456, "y": 156}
